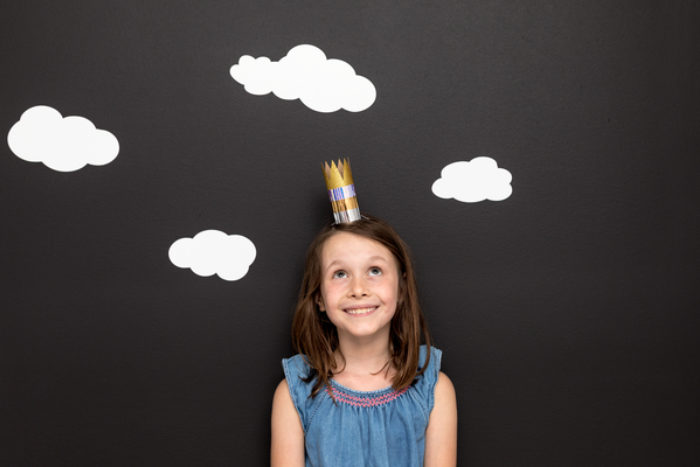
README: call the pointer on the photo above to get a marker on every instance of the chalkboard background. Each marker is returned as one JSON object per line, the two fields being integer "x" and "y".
{"x": 567, "y": 313}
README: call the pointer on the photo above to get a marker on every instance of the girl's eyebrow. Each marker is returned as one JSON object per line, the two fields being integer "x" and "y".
{"x": 380, "y": 258}
{"x": 333, "y": 263}
{"x": 370, "y": 259}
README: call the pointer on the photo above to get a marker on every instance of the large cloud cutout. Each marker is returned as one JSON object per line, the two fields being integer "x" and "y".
{"x": 324, "y": 85}
{"x": 214, "y": 252}
{"x": 473, "y": 181}
{"x": 62, "y": 144}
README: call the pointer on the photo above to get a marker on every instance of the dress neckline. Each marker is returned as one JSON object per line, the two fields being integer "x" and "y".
{"x": 364, "y": 399}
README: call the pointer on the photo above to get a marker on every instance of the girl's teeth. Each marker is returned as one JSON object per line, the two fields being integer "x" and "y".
{"x": 360, "y": 311}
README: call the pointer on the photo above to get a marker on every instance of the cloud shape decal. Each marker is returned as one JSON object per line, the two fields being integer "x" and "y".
{"x": 62, "y": 144}
{"x": 324, "y": 85}
{"x": 473, "y": 181}
{"x": 214, "y": 252}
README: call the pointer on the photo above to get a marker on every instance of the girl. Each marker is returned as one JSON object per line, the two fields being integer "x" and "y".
{"x": 362, "y": 391}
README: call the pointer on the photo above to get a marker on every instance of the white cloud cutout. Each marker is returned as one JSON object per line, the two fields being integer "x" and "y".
{"x": 62, "y": 144}
{"x": 473, "y": 181}
{"x": 214, "y": 252}
{"x": 324, "y": 85}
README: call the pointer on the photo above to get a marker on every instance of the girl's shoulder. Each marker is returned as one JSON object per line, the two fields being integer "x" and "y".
{"x": 425, "y": 383}
{"x": 296, "y": 366}
{"x": 295, "y": 360}
{"x": 435, "y": 357}
{"x": 300, "y": 376}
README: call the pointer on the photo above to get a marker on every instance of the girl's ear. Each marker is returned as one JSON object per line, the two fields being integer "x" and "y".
{"x": 319, "y": 302}
{"x": 402, "y": 290}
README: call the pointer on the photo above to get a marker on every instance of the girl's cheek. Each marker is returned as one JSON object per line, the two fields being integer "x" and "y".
{"x": 334, "y": 286}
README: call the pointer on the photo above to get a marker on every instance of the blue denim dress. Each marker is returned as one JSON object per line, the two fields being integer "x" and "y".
{"x": 365, "y": 428}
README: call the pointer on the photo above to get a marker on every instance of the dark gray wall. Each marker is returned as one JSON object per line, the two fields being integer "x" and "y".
{"x": 567, "y": 313}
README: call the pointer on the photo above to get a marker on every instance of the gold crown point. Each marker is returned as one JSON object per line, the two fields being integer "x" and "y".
{"x": 337, "y": 175}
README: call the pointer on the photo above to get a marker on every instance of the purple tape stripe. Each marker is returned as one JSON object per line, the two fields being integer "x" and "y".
{"x": 344, "y": 192}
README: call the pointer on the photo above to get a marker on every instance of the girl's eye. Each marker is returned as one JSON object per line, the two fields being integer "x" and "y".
{"x": 340, "y": 275}
{"x": 375, "y": 272}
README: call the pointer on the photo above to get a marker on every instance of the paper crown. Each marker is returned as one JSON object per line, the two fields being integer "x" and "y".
{"x": 341, "y": 191}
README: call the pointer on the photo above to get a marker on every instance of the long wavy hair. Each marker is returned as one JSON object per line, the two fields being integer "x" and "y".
{"x": 315, "y": 336}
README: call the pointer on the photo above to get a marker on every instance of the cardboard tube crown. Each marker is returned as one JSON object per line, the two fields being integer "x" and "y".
{"x": 341, "y": 191}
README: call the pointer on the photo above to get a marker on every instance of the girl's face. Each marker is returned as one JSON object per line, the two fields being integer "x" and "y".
{"x": 359, "y": 285}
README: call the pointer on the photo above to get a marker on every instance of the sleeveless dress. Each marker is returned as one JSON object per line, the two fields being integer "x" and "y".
{"x": 364, "y": 428}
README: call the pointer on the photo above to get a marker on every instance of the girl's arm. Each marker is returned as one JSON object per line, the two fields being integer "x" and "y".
{"x": 287, "y": 443}
{"x": 441, "y": 434}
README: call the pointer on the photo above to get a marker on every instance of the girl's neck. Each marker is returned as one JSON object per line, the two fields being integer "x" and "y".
{"x": 363, "y": 358}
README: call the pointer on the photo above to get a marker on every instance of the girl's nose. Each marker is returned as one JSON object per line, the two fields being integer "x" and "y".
{"x": 358, "y": 288}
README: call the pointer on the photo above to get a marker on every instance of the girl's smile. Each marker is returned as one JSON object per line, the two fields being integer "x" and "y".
{"x": 360, "y": 311}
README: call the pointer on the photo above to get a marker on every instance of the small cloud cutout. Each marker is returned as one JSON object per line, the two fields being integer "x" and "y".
{"x": 214, "y": 252}
{"x": 62, "y": 144}
{"x": 473, "y": 181}
{"x": 324, "y": 85}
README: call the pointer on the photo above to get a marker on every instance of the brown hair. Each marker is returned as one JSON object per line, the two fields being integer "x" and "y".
{"x": 315, "y": 337}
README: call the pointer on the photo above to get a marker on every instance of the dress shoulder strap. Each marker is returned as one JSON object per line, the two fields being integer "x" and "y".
{"x": 295, "y": 370}
{"x": 425, "y": 383}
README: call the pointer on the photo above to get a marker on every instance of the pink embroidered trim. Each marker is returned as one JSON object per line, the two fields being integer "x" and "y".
{"x": 363, "y": 401}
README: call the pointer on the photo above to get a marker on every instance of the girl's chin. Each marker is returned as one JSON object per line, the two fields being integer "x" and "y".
{"x": 371, "y": 331}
